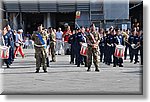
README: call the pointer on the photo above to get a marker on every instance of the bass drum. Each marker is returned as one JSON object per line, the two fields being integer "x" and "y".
{"x": 4, "y": 52}
{"x": 119, "y": 51}
{"x": 84, "y": 49}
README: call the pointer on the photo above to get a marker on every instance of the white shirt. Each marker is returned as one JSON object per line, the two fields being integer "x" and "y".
{"x": 59, "y": 35}
{"x": 18, "y": 38}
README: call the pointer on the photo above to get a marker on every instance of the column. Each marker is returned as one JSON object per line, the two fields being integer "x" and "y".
{"x": 48, "y": 20}
{"x": 15, "y": 24}
{"x": 45, "y": 20}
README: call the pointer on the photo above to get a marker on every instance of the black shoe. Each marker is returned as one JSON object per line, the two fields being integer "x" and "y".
{"x": 71, "y": 62}
{"x": 59, "y": 54}
{"x": 52, "y": 61}
{"x": 47, "y": 65}
{"x": 37, "y": 71}
{"x": 85, "y": 66}
{"x": 121, "y": 65}
{"x": 8, "y": 66}
{"x": 108, "y": 64}
{"x": 82, "y": 63}
{"x": 88, "y": 70}
{"x": 135, "y": 62}
{"x": 131, "y": 61}
{"x": 96, "y": 70}
{"x": 45, "y": 71}
{"x": 114, "y": 65}
{"x": 78, "y": 65}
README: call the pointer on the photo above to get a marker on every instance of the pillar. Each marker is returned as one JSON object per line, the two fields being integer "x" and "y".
{"x": 48, "y": 20}
{"x": 15, "y": 24}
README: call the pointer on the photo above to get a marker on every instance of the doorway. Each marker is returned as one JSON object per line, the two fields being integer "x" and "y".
{"x": 62, "y": 18}
{"x": 32, "y": 20}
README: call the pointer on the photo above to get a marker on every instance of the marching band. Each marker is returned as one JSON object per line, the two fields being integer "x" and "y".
{"x": 111, "y": 45}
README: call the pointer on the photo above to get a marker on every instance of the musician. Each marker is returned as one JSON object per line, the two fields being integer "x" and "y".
{"x": 105, "y": 47}
{"x": 118, "y": 40}
{"x": 93, "y": 40}
{"x": 141, "y": 46}
{"x": 134, "y": 45}
{"x": 73, "y": 41}
{"x": 126, "y": 36}
{"x": 102, "y": 44}
{"x": 5, "y": 42}
{"x": 9, "y": 41}
{"x": 110, "y": 46}
{"x": 80, "y": 39}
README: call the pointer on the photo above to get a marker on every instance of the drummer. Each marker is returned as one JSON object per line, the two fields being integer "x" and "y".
{"x": 119, "y": 40}
{"x": 6, "y": 42}
{"x": 80, "y": 39}
{"x": 134, "y": 40}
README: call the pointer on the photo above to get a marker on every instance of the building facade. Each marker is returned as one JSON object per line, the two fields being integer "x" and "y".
{"x": 103, "y": 13}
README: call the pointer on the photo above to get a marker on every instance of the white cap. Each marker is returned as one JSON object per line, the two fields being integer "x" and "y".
{"x": 20, "y": 30}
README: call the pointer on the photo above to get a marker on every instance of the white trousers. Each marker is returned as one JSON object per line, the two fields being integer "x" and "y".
{"x": 58, "y": 46}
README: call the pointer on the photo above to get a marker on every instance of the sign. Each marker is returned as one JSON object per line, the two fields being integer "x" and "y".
{"x": 78, "y": 13}
{"x": 124, "y": 26}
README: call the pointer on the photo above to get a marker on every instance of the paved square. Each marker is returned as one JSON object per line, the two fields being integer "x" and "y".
{"x": 63, "y": 78}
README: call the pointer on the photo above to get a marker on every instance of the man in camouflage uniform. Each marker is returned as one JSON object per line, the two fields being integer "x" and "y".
{"x": 52, "y": 37}
{"x": 40, "y": 53}
{"x": 93, "y": 40}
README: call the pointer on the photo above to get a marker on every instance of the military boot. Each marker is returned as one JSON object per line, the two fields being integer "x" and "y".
{"x": 89, "y": 68}
{"x": 44, "y": 68}
{"x": 37, "y": 71}
{"x": 96, "y": 69}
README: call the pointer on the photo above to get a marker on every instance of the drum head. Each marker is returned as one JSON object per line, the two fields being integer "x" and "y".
{"x": 120, "y": 46}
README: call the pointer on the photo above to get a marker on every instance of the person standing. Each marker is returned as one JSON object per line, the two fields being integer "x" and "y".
{"x": 80, "y": 40}
{"x": 126, "y": 36}
{"x": 10, "y": 40}
{"x": 102, "y": 44}
{"x": 59, "y": 34}
{"x": 66, "y": 36}
{"x": 141, "y": 47}
{"x": 110, "y": 46}
{"x": 39, "y": 46}
{"x": 118, "y": 40}
{"x": 5, "y": 42}
{"x": 134, "y": 45}
{"x": 93, "y": 40}
{"x": 73, "y": 41}
{"x": 52, "y": 38}
{"x": 19, "y": 43}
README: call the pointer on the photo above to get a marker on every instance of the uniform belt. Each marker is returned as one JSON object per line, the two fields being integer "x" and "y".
{"x": 40, "y": 45}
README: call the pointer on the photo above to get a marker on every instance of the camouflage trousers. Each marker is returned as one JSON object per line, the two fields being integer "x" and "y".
{"x": 92, "y": 52}
{"x": 52, "y": 50}
{"x": 40, "y": 56}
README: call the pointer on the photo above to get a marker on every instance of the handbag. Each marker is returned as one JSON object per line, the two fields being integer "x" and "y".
{"x": 17, "y": 44}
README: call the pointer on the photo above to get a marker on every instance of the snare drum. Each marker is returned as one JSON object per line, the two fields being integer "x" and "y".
{"x": 4, "y": 52}
{"x": 119, "y": 51}
{"x": 84, "y": 49}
